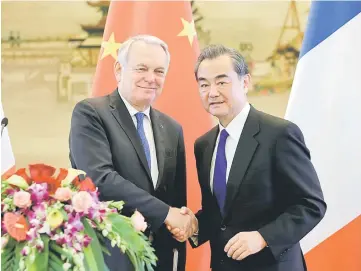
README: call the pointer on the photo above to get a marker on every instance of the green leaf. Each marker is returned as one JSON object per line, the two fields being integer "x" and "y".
{"x": 117, "y": 204}
{"x": 105, "y": 250}
{"x": 55, "y": 263}
{"x": 133, "y": 259}
{"x": 149, "y": 267}
{"x": 18, "y": 181}
{"x": 54, "y": 247}
{"x": 10, "y": 245}
{"x": 8, "y": 255}
{"x": 55, "y": 258}
{"x": 93, "y": 252}
{"x": 19, "y": 247}
{"x": 138, "y": 247}
{"x": 41, "y": 258}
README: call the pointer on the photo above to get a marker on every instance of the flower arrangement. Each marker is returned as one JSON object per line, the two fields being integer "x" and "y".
{"x": 53, "y": 221}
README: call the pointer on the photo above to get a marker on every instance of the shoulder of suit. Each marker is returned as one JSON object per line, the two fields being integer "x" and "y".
{"x": 203, "y": 138}
{"x": 95, "y": 102}
{"x": 275, "y": 123}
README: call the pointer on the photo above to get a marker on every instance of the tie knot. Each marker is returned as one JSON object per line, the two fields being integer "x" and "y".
{"x": 139, "y": 116}
{"x": 224, "y": 134}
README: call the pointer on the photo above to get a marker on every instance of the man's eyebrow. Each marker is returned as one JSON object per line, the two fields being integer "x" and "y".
{"x": 217, "y": 77}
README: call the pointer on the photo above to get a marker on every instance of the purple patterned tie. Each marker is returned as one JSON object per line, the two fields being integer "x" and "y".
{"x": 220, "y": 171}
{"x": 140, "y": 128}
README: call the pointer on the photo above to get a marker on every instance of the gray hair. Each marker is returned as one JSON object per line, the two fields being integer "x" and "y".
{"x": 124, "y": 48}
{"x": 214, "y": 51}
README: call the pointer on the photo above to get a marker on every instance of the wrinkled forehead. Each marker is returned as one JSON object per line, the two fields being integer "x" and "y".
{"x": 150, "y": 55}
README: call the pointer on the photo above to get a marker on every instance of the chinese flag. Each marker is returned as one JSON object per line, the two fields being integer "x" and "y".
{"x": 172, "y": 22}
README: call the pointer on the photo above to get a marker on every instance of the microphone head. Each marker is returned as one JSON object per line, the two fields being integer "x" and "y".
{"x": 4, "y": 122}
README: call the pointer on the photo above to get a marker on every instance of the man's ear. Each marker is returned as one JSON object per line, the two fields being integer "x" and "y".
{"x": 246, "y": 82}
{"x": 117, "y": 71}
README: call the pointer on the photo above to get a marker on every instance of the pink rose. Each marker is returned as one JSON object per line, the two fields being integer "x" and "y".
{"x": 63, "y": 194}
{"x": 22, "y": 199}
{"x": 82, "y": 201}
{"x": 138, "y": 222}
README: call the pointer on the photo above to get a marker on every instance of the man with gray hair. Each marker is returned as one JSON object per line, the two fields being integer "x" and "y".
{"x": 135, "y": 153}
{"x": 260, "y": 192}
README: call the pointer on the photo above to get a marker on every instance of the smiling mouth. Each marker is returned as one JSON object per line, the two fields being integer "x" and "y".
{"x": 216, "y": 103}
{"x": 149, "y": 88}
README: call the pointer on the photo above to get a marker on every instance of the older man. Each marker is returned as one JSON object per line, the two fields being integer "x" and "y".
{"x": 260, "y": 192}
{"x": 133, "y": 152}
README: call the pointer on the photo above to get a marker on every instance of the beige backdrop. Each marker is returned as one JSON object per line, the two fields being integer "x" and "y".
{"x": 45, "y": 71}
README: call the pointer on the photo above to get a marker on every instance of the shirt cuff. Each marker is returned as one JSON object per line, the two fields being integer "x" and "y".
{"x": 194, "y": 239}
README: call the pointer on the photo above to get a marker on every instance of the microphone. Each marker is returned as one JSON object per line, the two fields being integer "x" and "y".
{"x": 4, "y": 123}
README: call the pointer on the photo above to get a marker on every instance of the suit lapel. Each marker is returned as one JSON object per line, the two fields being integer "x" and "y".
{"x": 208, "y": 154}
{"x": 246, "y": 148}
{"x": 121, "y": 114}
{"x": 158, "y": 131}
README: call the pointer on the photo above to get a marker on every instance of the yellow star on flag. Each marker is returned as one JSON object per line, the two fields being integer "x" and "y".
{"x": 110, "y": 47}
{"x": 188, "y": 30}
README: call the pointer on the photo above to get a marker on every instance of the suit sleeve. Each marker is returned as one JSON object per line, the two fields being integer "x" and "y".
{"x": 301, "y": 191}
{"x": 204, "y": 229}
{"x": 181, "y": 176}
{"x": 90, "y": 151}
{"x": 181, "y": 195}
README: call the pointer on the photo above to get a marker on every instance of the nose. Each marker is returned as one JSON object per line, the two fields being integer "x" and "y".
{"x": 149, "y": 77}
{"x": 213, "y": 92}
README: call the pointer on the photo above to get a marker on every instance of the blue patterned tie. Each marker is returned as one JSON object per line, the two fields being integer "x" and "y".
{"x": 220, "y": 171}
{"x": 140, "y": 129}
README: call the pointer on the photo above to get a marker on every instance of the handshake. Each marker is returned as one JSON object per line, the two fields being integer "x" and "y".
{"x": 182, "y": 223}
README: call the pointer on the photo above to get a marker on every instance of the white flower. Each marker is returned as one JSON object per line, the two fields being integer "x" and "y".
{"x": 45, "y": 228}
{"x": 123, "y": 248}
{"x": 78, "y": 260}
{"x": 113, "y": 243}
{"x": 108, "y": 227}
{"x": 66, "y": 266}
{"x": 21, "y": 264}
{"x": 77, "y": 246}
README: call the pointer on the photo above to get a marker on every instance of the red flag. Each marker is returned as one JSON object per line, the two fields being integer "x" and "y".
{"x": 172, "y": 22}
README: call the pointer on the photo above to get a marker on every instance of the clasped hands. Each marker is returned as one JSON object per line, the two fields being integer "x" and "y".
{"x": 182, "y": 223}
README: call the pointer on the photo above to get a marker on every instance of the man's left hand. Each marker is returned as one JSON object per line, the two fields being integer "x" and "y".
{"x": 244, "y": 244}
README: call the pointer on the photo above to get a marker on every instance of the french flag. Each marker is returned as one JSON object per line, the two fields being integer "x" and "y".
{"x": 325, "y": 102}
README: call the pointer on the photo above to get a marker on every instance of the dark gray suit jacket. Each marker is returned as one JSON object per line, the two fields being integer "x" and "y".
{"x": 105, "y": 144}
{"x": 272, "y": 188}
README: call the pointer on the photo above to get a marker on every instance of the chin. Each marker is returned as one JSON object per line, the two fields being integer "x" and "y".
{"x": 147, "y": 99}
{"x": 218, "y": 112}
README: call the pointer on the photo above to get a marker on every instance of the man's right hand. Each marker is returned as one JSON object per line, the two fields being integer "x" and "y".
{"x": 175, "y": 219}
{"x": 181, "y": 234}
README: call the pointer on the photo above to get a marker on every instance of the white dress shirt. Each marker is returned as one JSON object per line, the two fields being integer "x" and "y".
{"x": 234, "y": 129}
{"x": 149, "y": 135}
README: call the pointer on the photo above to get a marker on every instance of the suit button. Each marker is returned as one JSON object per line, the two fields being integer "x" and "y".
{"x": 223, "y": 227}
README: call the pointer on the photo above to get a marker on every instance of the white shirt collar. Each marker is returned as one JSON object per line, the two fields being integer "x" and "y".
{"x": 132, "y": 110}
{"x": 235, "y": 127}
